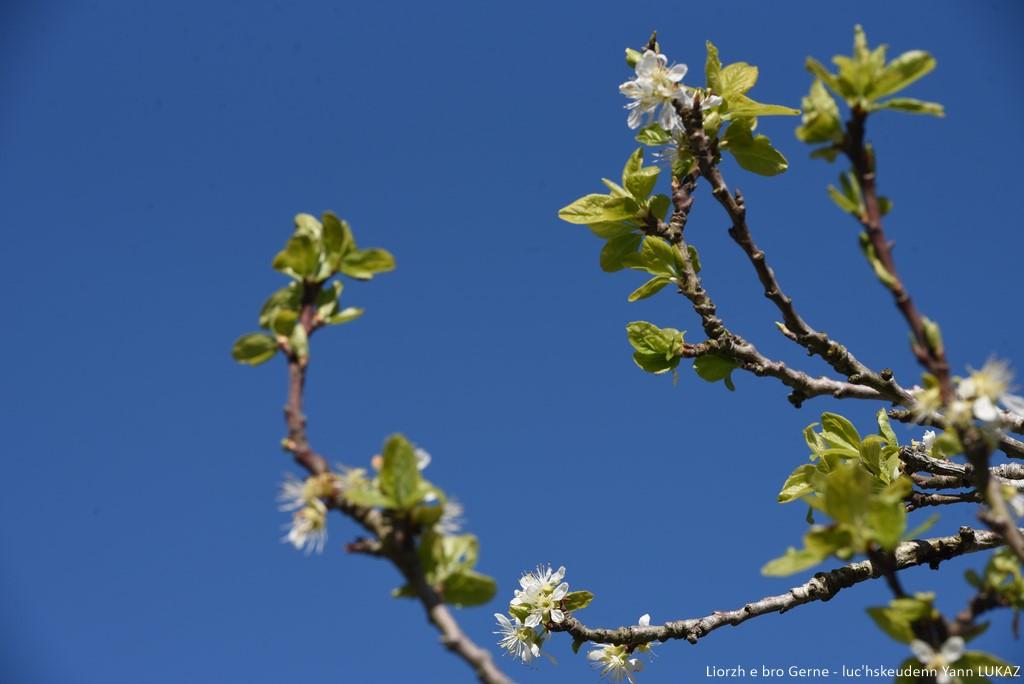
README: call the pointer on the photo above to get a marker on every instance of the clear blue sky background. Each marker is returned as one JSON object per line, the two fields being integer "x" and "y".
{"x": 152, "y": 158}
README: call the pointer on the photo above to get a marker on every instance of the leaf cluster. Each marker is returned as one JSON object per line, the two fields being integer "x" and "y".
{"x": 855, "y": 481}
{"x": 317, "y": 251}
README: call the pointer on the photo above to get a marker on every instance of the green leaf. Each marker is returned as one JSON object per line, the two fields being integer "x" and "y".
{"x": 820, "y": 122}
{"x": 254, "y": 349}
{"x": 349, "y": 313}
{"x": 653, "y": 136}
{"x": 658, "y": 205}
{"x": 887, "y": 279}
{"x": 909, "y": 104}
{"x": 798, "y": 484}
{"x": 284, "y": 322}
{"x": 885, "y": 428}
{"x": 587, "y": 209}
{"x": 298, "y": 259}
{"x": 327, "y": 300}
{"x": 737, "y": 78}
{"x": 840, "y": 432}
{"x": 369, "y": 497}
{"x": 620, "y": 209}
{"x": 612, "y": 229}
{"x": 846, "y": 493}
{"x": 288, "y": 297}
{"x": 901, "y": 72}
{"x": 659, "y": 257}
{"x": 468, "y": 588}
{"x": 616, "y": 252}
{"x": 632, "y": 57}
{"x": 892, "y": 624}
{"x": 299, "y": 341}
{"x": 337, "y": 239}
{"x": 843, "y": 202}
{"x": 825, "y": 76}
{"x": 714, "y": 367}
{"x": 577, "y": 600}
{"x": 713, "y": 68}
{"x": 754, "y": 154}
{"x": 743, "y": 106}
{"x": 306, "y": 224}
{"x": 638, "y": 179}
{"x": 792, "y": 561}
{"x": 649, "y": 289}
{"x": 657, "y": 350}
{"x": 399, "y": 477}
{"x": 887, "y": 521}
{"x": 363, "y": 264}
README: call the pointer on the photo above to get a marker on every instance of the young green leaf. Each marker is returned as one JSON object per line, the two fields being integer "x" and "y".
{"x": 363, "y": 264}
{"x": 649, "y": 289}
{"x": 254, "y": 349}
{"x": 299, "y": 258}
{"x": 585, "y": 210}
{"x": 399, "y": 476}
{"x": 468, "y": 588}
{"x": 714, "y": 367}
{"x": 753, "y": 153}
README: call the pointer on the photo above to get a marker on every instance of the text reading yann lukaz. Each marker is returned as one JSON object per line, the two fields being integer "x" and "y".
{"x": 860, "y": 671}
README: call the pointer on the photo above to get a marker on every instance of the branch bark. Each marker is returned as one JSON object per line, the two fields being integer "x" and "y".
{"x": 822, "y": 587}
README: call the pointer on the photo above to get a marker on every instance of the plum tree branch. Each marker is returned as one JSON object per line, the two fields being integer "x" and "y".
{"x": 794, "y": 326}
{"x": 392, "y": 540}
{"x": 822, "y": 587}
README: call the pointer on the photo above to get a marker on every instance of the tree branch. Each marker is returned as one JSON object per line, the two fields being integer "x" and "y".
{"x": 822, "y": 587}
{"x": 392, "y": 542}
{"x": 795, "y": 327}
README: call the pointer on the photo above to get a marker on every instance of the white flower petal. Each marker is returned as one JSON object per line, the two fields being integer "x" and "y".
{"x": 645, "y": 620}
{"x": 953, "y": 649}
{"x": 677, "y": 72}
{"x": 985, "y": 410}
{"x": 922, "y": 650}
{"x": 557, "y": 615}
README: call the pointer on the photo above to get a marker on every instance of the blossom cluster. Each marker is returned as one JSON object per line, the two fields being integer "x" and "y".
{"x": 308, "y": 528}
{"x": 978, "y": 397}
{"x": 543, "y": 601}
{"x": 537, "y": 603}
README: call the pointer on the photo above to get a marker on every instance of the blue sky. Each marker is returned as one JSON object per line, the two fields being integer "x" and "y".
{"x": 153, "y": 157}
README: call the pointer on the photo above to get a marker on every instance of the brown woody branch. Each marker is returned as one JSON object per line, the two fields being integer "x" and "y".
{"x": 822, "y": 587}
{"x": 721, "y": 340}
{"x": 391, "y": 539}
{"x": 930, "y": 353}
{"x": 795, "y": 327}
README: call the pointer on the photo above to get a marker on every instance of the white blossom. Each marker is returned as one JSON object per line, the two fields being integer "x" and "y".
{"x": 950, "y": 652}
{"x": 541, "y": 594}
{"x": 516, "y": 638}
{"x": 928, "y": 440}
{"x": 296, "y": 493}
{"x": 655, "y": 88}
{"x": 614, "y": 662}
{"x": 984, "y": 388}
{"x": 422, "y": 458}
{"x": 451, "y": 521}
{"x": 308, "y": 529}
